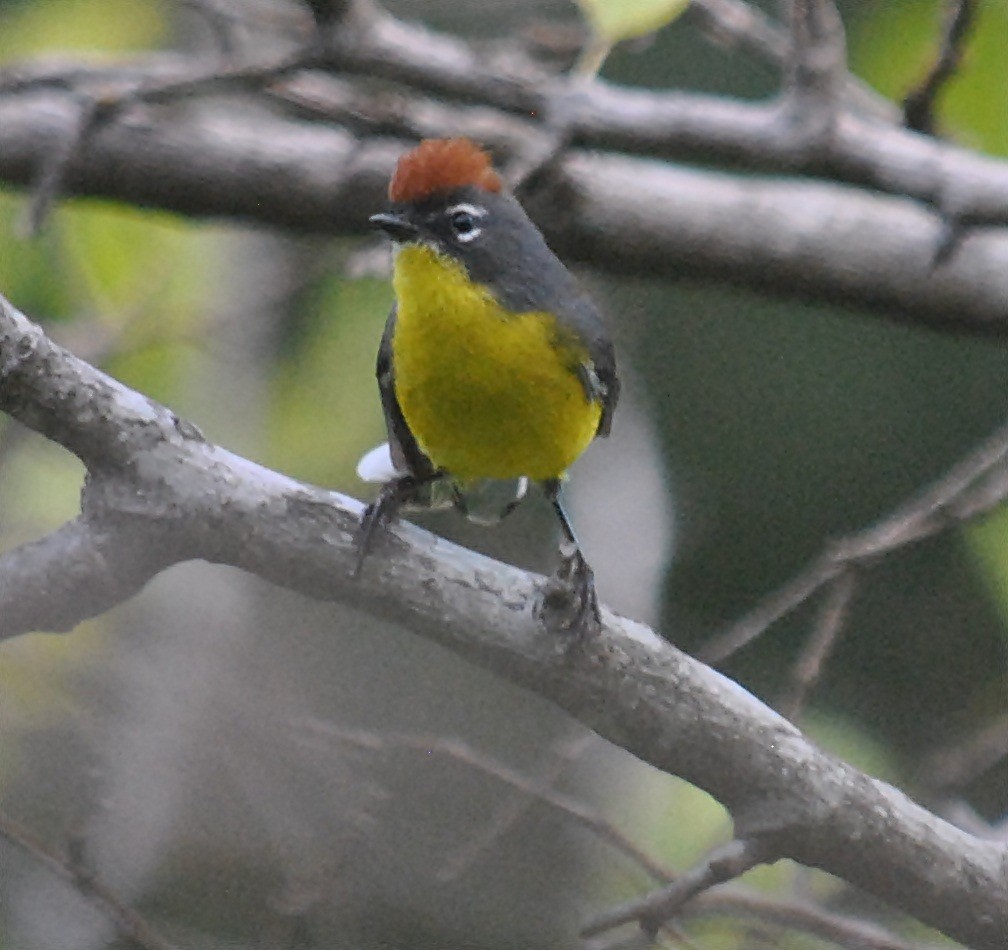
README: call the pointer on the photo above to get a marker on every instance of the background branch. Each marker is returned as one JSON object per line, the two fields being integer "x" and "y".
{"x": 621, "y": 215}
{"x": 651, "y": 911}
{"x": 678, "y": 126}
{"x": 918, "y": 107}
{"x": 129, "y": 925}
{"x": 973, "y": 486}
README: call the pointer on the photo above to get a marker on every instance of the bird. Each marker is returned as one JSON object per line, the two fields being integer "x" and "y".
{"x": 495, "y": 366}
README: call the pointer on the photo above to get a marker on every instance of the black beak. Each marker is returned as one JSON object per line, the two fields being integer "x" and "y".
{"x": 396, "y": 226}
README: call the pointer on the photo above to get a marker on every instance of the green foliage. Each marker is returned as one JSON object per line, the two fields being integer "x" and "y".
{"x": 989, "y": 541}
{"x": 892, "y": 45}
{"x": 325, "y": 409}
{"x": 90, "y": 26}
{"x": 26, "y": 267}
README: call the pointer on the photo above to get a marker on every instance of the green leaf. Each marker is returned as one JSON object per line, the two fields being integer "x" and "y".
{"x": 615, "y": 20}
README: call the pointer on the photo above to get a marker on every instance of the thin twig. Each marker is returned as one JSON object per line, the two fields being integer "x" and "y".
{"x": 808, "y": 668}
{"x": 919, "y": 104}
{"x": 732, "y": 900}
{"x": 735, "y": 901}
{"x": 663, "y": 124}
{"x": 283, "y": 19}
{"x": 98, "y": 108}
{"x": 722, "y": 864}
{"x": 970, "y": 488}
{"x": 955, "y": 765}
{"x": 128, "y": 923}
{"x": 739, "y": 25}
{"x": 542, "y": 158}
{"x": 458, "y": 751}
{"x": 53, "y": 170}
{"x": 248, "y": 76}
{"x": 221, "y": 23}
{"x": 512, "y": 811}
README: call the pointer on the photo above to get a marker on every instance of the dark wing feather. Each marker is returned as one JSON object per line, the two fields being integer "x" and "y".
{"x": 407, "y": 456}
{"x": 579, "y": 321}
{"x": 603, "y": 357}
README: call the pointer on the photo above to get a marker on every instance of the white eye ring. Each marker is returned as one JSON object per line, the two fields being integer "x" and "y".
{"x": 463, "y": 218}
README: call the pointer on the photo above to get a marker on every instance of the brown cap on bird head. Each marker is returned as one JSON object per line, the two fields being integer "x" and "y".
{"x": 441, "y": 165}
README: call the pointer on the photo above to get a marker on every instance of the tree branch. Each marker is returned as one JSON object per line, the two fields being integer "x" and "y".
{"x": 862, "y": 150}
{"x": 129, "y": 924}
{"x": 627, "y": 684}
{"x": 737, "y": 24}
{"x": 971, "y": 487}
{"x": 799, "y": 915}
{"x": 320, "y": 735}
{"x": 622, "y": 215}
{"x": 817, "y": 64}
{"x": 918, "y": 106}
{"x": 651, "y": 911}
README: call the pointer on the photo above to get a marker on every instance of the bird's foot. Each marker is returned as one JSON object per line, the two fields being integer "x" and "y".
{"x": 372, "y": 517}
{"x": 569, "y": 602}
{"x": 379, "y": 513}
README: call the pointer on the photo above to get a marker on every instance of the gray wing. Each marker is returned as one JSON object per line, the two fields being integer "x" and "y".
{"x": 407, "y": 456}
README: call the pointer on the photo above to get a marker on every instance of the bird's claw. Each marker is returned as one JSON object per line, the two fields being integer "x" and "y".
{"x": 372, "y": 517}
{"x": 378, "y": 514}
{"x": 569, "y": 601}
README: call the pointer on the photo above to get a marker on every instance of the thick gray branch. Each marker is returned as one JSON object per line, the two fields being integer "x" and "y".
{"x": 861, "y": 149}
{"x": 790, "y": 237}
{"x": 81, "y": 570}
{"x": 680, "y": 125}
{"x": 629, "y": 685}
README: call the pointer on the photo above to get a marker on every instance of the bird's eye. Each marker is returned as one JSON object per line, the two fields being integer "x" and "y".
{"x": 463, "y": 222}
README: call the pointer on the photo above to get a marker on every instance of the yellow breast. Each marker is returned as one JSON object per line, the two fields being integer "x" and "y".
{"x": 486, "y": 393}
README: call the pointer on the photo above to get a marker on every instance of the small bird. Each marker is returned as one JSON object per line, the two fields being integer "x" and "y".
{"x": 494, "y": 365}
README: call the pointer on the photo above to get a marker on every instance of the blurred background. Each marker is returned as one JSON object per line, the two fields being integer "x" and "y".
{"x": 248, "y": 768}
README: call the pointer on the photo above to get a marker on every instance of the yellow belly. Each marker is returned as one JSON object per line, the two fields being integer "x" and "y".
{"x": 486, "y": 394}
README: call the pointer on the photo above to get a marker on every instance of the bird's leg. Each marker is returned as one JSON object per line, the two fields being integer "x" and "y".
{"x": 571, "y": 592}
{"x": 393, "y": 495}
{"x": 480, "y": 516}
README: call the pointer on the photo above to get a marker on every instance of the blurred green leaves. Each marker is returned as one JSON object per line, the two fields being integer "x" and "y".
{"x": 325, "y": 408}
{"x": 989, "y": 540}
{"x": 89, "y": 26}
{"x": 612, "y": 21}
{"x": 616, "y": 20}
{"x": 892, "y": 45}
